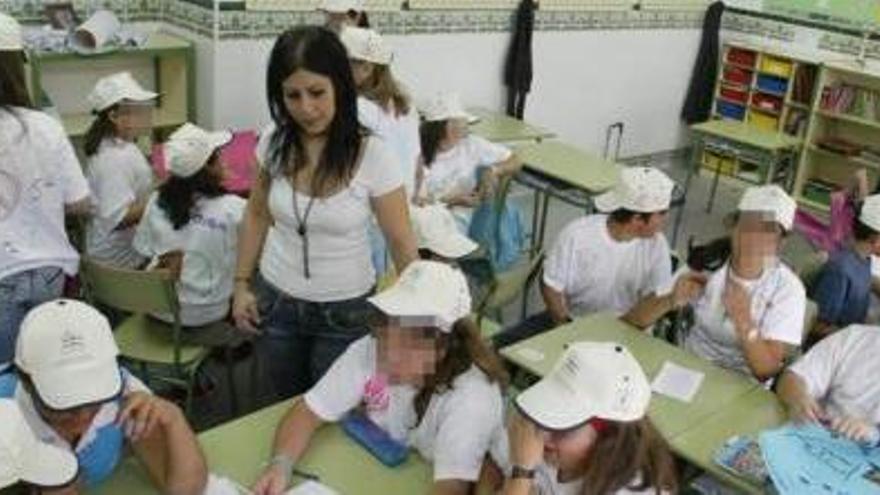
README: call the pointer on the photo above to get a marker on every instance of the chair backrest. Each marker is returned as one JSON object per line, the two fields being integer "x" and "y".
{"x": 133, "y": 291}
{"x": 506, "y": 286}
{"x": 810, "y": 268}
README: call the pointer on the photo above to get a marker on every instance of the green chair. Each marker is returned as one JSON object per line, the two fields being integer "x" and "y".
{"x": 503, "y": 289}
{"x": 158, "y": 348}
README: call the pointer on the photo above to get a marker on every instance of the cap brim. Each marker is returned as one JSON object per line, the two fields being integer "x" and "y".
{"x": 68, "y": 389}
{"x": 454, "y": 247}
{"x": 220, "y": 138}
{"x": 48, "y": 466}
{"x": 607, "y": 202}
{"x": 397, "y": 303}
{"x": 552, "y": 406}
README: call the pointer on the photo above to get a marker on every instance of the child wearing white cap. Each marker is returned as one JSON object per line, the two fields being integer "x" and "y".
{"x": 424, "y": 377}
{"x": 749, "y": 313}
{"x": 193, "y": 215}
{"x": 452, "y": 159}
{"x": 339, "y": 14}
{"x": 41, "y": 180}
{"x": 75, "y": 396}
{"x": 119, "y": 175}
{"x": 616, "y": 261}
{"x": 579, "y": 429}
{"x": 835, "y": 384}
{"x": 842, "y": 289}
{"x": 437, "y": 234}
{"x": 384, "y": 107}
{"x": 24, "y": 459}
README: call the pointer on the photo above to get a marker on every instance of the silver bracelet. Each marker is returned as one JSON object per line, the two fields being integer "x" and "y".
{"x": 286, "y": 463}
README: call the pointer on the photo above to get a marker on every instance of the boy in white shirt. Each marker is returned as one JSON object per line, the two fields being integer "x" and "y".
{"x": 424, "y": 377}
{"x": 836, "y": 383}
{"x": 615, "y": 261}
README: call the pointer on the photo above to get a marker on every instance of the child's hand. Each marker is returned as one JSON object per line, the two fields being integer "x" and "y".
{"x": 855, "y": 429}
{"x": 526, "y": 441}
{"x": 143, "y": 413}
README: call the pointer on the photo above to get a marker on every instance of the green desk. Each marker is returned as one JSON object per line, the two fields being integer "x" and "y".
{"x": 774, "y": 152}
{"x": 240, "y": 448}
{"x": 672, "y": 417}
{"x": 502, "y": 128}
{"x": 553, "y": 168}
{"x": 756, "y": 411}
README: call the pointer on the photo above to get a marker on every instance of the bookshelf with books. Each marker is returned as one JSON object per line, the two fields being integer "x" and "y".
{"x": 842, "y": 137}
{"x": 770, "y": 90}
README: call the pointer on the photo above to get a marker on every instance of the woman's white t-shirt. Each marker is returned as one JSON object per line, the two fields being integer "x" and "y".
{"x": 456, "y": 430}
{"x": 119, "y": 175}
{"x": 209, "y": 243}
{"x": 778, "y": 305}
{"x": 339, "y": 245}
{"x": 39, "y": 174}
{"x": 400, "y": 133}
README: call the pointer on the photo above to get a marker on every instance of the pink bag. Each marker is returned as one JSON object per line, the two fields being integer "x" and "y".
{"x": 831, "y": 237}
{"x": 239, "y": 156}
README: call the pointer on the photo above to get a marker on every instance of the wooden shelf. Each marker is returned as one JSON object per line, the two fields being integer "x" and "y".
{"x": 853, "y": 160}
{"x": 734, "y": 85}
{"x": 773, "y": 113}
{"x": 852, "y": 119}
{"x": 771, "y": 93}
{"x": 798, "y": 105}
{"x": 750, "y": 68}
{"x": 728, "y": 100}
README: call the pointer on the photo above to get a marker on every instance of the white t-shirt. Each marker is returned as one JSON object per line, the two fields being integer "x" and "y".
{"x": 842, "y": 372}
{"x": 339, "y": 246}
{"x": 455, "y": 171}
{"x": 458, "y": 425}
{"x": 778, "y": 306}
{"x": 119, "y": 175}
{"x": 209, "y": 242}
{"x": 399, "y": 132}
{"x": 39, "y": 174}
{"x": 597, "y": 273}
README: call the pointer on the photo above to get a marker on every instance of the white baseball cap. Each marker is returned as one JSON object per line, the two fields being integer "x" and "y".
{"x": 427, "y": 294}
{"x": 341, "y": 6}
{"x": 189, "y": 148}
{"x": 366, "y": 44}
{"x": 592, "y": 380}
{"x": 10, "y": 34}
{"x": 870, "y": 213}
{"x": 772, "y": 201}
{"x": 639, "y": 189}
{"x": 445, "y": 106}
{"x": 113, "y": 89}
{"x": 437, "y": 231}
{"x": 23, "y": 457}
{"x": 66, "y": 347}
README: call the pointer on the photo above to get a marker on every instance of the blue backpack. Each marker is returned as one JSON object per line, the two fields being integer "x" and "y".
{"x": 497, "y": 225}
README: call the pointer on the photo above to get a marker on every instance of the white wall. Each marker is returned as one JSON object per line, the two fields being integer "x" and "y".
{"x": 584, "y": 80}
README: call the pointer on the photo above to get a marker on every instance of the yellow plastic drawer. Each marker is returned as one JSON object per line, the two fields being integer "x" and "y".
{"x": 712, "y": 161}
{"x": 763, "y": 121}
{"x": 776, "y": 66}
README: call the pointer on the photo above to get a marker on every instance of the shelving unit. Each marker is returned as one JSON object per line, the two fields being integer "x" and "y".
{"x": 173, "y": 78}
{"x": 843, "y": 136}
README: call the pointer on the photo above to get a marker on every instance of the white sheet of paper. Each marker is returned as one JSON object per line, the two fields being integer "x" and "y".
{"x": 311, "y": 488}
{"x": 677, "y": 382}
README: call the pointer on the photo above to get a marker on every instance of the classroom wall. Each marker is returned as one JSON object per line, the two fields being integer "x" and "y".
{"x": 584, "y": 80}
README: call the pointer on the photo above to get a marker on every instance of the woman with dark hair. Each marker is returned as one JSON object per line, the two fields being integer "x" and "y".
{"x": 40, "y": 181}
{"x": 425, "y": 377}
{"x": 341, "y": 13}
{"x": 584, "y": 430}
{"x": 193, "y": 217}
{"x": 322, "y": 179}
{"x": 119, "y": 175}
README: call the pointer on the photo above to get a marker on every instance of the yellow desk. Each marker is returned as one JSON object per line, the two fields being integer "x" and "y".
{"x": 757, "y": 411}
{"x": 501, "y": 128}
{"x": 240, "y": 448}
{"x": 672, "y": 417}
{"x": 552, "y": 168}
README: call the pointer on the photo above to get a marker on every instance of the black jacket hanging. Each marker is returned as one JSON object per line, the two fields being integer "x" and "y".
{"x": 518, "y": 65}
{"x": 698, "y": 103}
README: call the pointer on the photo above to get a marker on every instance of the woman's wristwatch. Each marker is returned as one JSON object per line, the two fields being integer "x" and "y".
{"x": 521, "y": 472}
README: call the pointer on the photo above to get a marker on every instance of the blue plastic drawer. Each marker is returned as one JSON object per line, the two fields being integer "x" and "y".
{"x": 731, "y": 110}
{"x": 771, "y": 84}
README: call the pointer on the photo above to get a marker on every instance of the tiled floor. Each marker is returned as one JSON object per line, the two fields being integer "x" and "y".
{"x": 702, "y": 226}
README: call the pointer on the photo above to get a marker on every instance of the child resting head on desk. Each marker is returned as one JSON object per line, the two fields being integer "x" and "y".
{"x": 423, "y": 376}
{"x": 583, "y": 430}
{"x": 75, "y": 396}
{"x": 451, "y": 159}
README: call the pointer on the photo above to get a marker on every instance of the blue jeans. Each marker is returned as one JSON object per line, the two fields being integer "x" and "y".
{"x": 301, "y": 339}
{"x": 21, "y": 292}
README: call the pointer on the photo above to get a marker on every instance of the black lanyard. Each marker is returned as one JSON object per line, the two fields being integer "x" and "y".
{"x": 302, "y": 228}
